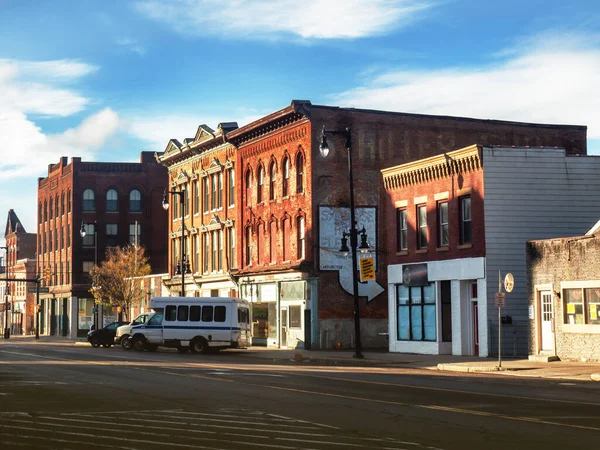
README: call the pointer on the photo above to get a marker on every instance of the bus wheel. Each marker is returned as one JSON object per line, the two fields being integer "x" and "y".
{"x": 139, "y": 342}
{"x": 199, "y": 345}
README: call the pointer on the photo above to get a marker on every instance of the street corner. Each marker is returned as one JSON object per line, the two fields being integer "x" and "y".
{"x": 468, "y": 368}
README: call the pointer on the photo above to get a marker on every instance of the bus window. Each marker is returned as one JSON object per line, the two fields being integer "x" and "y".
{"x": 182, "y": 313}
{"x": 170, "y": 312}
{"x": 220, "y": 313}
{"x": 243, "y": 316}
{"x": 195, "y": 313}
{"x": 207, "y": 314}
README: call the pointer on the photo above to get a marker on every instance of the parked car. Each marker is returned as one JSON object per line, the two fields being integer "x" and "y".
{"x": 104, "y": 336}
{"x": 124, "y": 331}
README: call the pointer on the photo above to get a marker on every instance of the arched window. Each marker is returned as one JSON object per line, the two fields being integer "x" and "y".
{"x": 286, "y": 239}
{"x": 112, "y": 200}
{"x": 248, "y": 188}
{"x": 69, "y": 201}
{"x": 40, "y": 213}
{"x": 260, "y": 243}
{"x": 45, "y": 210}
{"x": 51, "y": 208}
{"x": 248, "y": 243}
{"x": 63, "y": 205}
{"x": 301, "y": 244}
{"x": 299, "y": 173}
{"x": 272, "y": 173}
{"x": 135, "y": 201}
{"x": 259, "y": 184}
{"x": 285, "y": 184}
{"x": 56, "y": 207}
{"x": 89, "y": 200}
{"x": 273, "y": 241}
{"x": 231, "y": 179}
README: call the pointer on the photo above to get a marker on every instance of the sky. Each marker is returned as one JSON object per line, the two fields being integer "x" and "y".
{"x": 106, "y": 79}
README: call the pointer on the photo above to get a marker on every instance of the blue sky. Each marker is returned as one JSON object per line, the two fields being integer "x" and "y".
{"x": 107, "y": 79}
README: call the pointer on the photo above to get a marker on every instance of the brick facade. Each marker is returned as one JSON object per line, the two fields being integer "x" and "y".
{"x": 553, "y": 266}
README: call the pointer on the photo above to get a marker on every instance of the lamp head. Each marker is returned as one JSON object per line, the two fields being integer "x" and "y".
{"x": 344, "y": 250}
{"x": 165, "y": 201}
{"x": 82, "y": 230}
{"x": 364, "y": 245}
{"x": 323, "y": 146}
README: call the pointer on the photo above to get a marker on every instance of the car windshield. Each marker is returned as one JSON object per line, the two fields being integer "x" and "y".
{"x": 140, "y": 319}
{"x": 156, "y": 319}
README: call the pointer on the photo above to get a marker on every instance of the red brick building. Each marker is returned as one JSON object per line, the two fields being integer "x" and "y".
{"x": 16, "y": 303}
{"x": 292, "y": 207}
{"x": 116, "y": 204}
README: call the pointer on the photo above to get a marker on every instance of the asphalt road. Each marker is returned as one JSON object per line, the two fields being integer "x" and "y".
{"x": 79, "y": 397}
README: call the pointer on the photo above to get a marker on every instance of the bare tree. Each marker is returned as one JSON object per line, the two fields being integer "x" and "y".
{"x": 113, "y": 281}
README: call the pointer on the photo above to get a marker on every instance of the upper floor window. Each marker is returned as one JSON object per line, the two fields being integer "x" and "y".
{"x": 89, "y": 239}
{"x": 285, "y": 184}
{"x": 135, "y": 201}
{"x": 259, "y": 184}
{"x": 273, "y": 241}
{"x": 220, "y": 190}
{"x": 299, "y": 173}
{"x": 56, "y": 207}
{"x": 69, "y": 201}
{"x": 196, "y": 204}
{"x": 112, "y": 200}
{"x": 248, "y": 234}
{"x": 301, "y": 244}
{"x": 111, "y": 234}
{"x": 51, "y": 208}
{"x": 286, "y": 239}
{"x": 232, "y": 260}
{"x": 206, "y": 194}
{"x": 135, "y": 233}
{"x": 186, "y": 200}
{"x": 213, "y": 197}
{"x": 443, "y": 224}
{"x": 45, "y": 210}
{"x": 272, "y": 179}
{"x": 63, "y": 205}
{"x": 231, "y": 181}
{"x": 89, "y": 200}
{"x": 402, "y": 230}
{"x": 40, "y": 213}
{"x": 248, "y": 188}
{"x": 465, "y": 220}
{"x": 260, "y": 243}
{"x": 205, "y": 249}
{"x": 422, "y": 226}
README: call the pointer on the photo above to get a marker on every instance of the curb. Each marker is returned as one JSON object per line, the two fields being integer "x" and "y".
{"x": 459, "y": 368}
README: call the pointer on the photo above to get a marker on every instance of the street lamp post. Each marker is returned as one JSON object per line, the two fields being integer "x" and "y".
{"x": 353, "y": 232}
{"x": 6, "y": 290}
{"x": 82, "y": 232}
{"x": 183, "y": 266}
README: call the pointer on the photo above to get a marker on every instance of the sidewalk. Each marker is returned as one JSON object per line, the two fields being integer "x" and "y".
{"x": 566, "y": 370}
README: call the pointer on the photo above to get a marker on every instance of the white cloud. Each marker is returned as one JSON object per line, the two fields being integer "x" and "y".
{"x": 131, "y": 45}
{"x": 26, "y": 150}
{"x": 317, "y": 19}
{"x": 550, "y": 78}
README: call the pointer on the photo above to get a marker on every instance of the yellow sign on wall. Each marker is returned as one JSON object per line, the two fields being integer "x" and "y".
{"x": 367, "y": 269}
{"x": 570, "y": 308}
{"x": 593, "y": 312}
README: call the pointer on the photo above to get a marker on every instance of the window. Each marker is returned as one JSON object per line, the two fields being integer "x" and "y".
{"x": 232, "y": 261}
{"x": 286, "y": 178}
{"x": 87, "y": 267}
{"x": 205, "y": 250}
{"x": 89, "y": 200}
{"x": 68, "y": 236}
{"x": 51, "y": 208}
{"x": 170, "y": 313}
{"x": 69, "y": 201}
{"x": 196, "y": 197}
{"x": 63, "y": 205}
{"x": 206, "y": 194}
{"x": 68, "y": 280}
{"x": 582, "y": 305}
{"x": 196, "y": 267}
{"x": 248, "y": 188}
{"x": 220, "y": 190}
{"x": 207, "y": 313}
{"x": 135, "y": 234}
{"x": 259, "y": 184}
{"x": 182, "y": 313}
{"x": 56, "y": 207}
{"x": 186, "y": 200}
{"x": 215, "y": 250}
{"x": 295, "y": 316}
{"x": 40, "y": 213}
{"x": 90, "y": 235}
{"x": 243, "y": 315}
{"x": 135, "y": 201}
{"x": 422, "y": 226}
{"x": 402, "y": 230}
{"x": 45, "y": 210}
{"x": 260, "y": 246}
{"x": 213, "y": 197}
{"x": 56, "y": 239}
{"x": 231, "y": 180}
{"x": 273, "y": 241}
{"x": 299, "y": 173}
{"x": 195, "y": 313}
{"x": 465, "y": 220}
{"x": 220, "y": 313}
{"x": 272, "y": 177}
{"x": 301, "y": 244}
{"x": 286, "y": 239}
{"x": 248, "y": 233}
{"x": 111, "y": 235}
{"x": 443, "y": 224}
{"x": 62, "y": 237}
{"x": 416, "y": 313}
{"x": 447, "y": 310}
{"x": 112, "y": 202}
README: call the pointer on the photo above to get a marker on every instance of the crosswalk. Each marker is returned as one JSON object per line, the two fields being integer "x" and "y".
{"x": 223, "y": 429}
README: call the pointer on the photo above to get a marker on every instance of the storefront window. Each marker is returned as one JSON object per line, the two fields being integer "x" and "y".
{"x": 416, "y": 313}
{"x": 592, "y": 300}
{"x": 573, "y": 299}
{"x": 85, "y": 317}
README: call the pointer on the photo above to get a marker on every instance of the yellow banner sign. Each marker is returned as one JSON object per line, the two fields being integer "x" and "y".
{"x": 367, "y": 269}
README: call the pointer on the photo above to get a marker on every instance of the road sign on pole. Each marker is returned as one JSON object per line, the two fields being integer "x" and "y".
{"x": 500, "y": 299}
{"x": 43, "y": 290}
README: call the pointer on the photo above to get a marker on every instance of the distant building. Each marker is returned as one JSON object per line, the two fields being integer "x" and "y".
{"x": 563, "y": 280}
{"x": 460, "y": 220}
{"x": 17, "y": 305}
{"x": 115, "y": 204}
{"x": 275, "y": 237}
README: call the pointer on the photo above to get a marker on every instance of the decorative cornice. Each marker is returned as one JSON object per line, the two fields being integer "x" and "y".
{"x": 468, "y": 159}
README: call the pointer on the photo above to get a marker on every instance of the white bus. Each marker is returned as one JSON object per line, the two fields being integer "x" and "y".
{"x": 198, "y": 324}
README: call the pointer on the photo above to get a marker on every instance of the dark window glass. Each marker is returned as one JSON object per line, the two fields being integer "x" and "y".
{"x": 285, "y": 185}
{"x": 299, "y": 173}
{"x": 402, "y": 230}
{"x": 259, "y": 185}
{"x": 135, "y": 201}
{"x": 182, "y": 313}
{"x": 207, "y": 314}
{"x": 465, "y": 220}
{"x": 170, "y": 313}
{"x": 112, "y": 202}
{"x": 422, "y": 226}
{"x": 416, "y": 313}
{"x": 446, "y": 311}
{"x": 220, "y": 312}
{"x": 295, "y": 317}
{"x": 89, "y": 200}
{"x": 231, "y": 187}
{"x": 443, "y": 224}
{"x": 194, "y": 313}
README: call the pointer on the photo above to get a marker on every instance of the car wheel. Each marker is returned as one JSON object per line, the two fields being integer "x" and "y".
{"x": 126, "y": 342}
{"x": 139, "y": 343}
{"x": 199, "y": 345}
{"x": 183, "y": 349}
{"x": 94, "y": 344}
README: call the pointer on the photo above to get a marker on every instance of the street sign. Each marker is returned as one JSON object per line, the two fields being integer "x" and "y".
{"x": 509, "y": 282}
{"x": 367, "y": 269}
{"x": 43, "y": 290}
{"x": 500, "y": 299}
